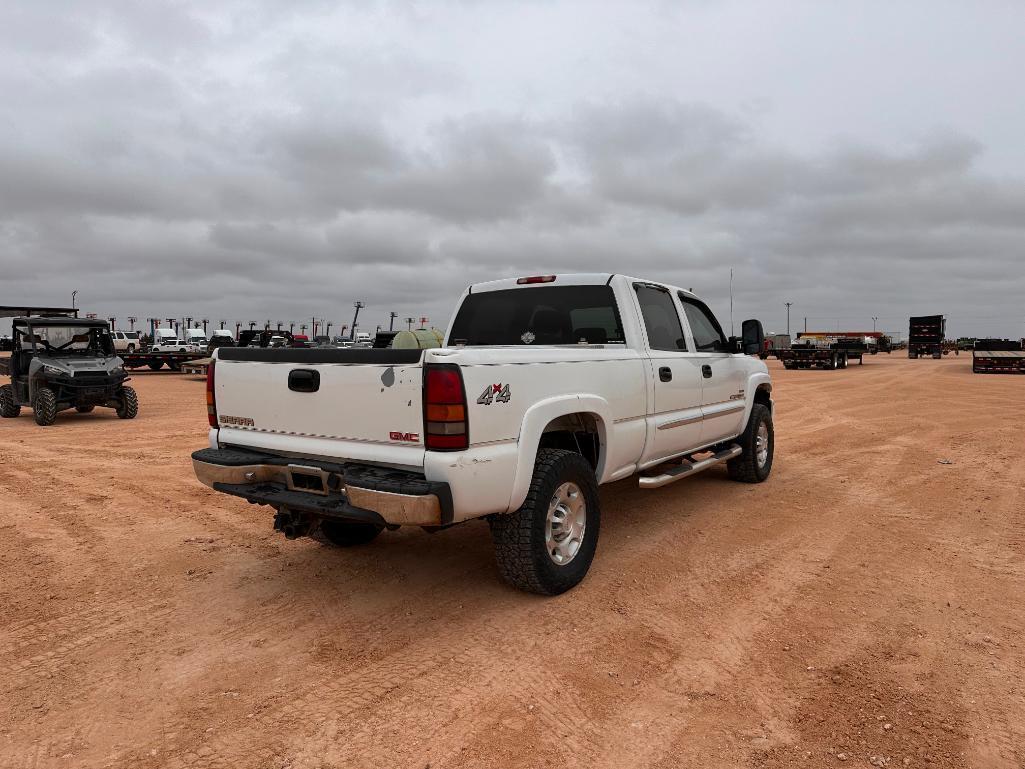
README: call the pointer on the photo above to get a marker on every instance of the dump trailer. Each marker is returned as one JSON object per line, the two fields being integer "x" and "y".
{"x": 925, "y": 336}
{"x": 812, "y": 354}
{"x": 998, "y": 356}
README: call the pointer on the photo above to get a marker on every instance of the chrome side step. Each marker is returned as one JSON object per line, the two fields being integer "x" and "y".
{"x": 688, "y": 467}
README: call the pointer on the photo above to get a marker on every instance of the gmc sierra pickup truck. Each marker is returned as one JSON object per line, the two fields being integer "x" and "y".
{"x": 547, "y": 387}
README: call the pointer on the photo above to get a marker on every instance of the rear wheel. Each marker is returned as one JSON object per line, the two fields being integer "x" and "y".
{"x": 8, "y": 408}
{"x": 44, "y": 407}
{"x": 84, "y": 409}
{"x": 128, "y": 406}
{"x": 758, "y": 444}
{"x": 547, "y": 545}
{"x": 348, "y": 533}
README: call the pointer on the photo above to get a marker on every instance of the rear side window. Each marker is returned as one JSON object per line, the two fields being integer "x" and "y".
{"x": 708, "y": 335}
{"x": 661, "y": 320}
{"x": 539, "y": 315}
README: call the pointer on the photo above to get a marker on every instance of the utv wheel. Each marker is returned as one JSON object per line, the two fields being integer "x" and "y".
{"x": 758, "y": 443}
{"x": 44, "y": 407}
{"x": 128, "y": 407}
{"x": 8, "y": 408}
{"x": 347, "y": 534}
{"x": 547, "y": 545}
{"x": 84, "y": 409}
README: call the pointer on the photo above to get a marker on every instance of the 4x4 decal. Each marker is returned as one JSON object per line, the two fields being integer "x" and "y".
{"x": 495, "y": 393}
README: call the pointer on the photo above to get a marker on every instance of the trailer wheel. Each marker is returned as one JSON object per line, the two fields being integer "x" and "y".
{"x": 129, "y": 404}
{"x": 8, "y": 408}
{"x": 912, "y": 354}
{"x": 348, "y": 533}
{"x": 547, "y": 545}
{"x": 155, "y": 365}
{"x": 937, "y": 355}
{"x": 44, "y": 407}
{"x": 758, "y": 443}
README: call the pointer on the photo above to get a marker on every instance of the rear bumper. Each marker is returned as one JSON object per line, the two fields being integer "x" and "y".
{"x": 324, "y": 489}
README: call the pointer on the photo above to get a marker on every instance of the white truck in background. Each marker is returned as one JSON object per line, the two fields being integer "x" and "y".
{"x": 547, "y": 387}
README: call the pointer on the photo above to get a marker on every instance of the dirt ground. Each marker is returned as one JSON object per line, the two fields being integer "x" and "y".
{"x": 865, "y": 606}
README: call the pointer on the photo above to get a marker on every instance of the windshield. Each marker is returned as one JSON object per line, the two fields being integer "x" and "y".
{"x": 548, "y": 315}
{"x": 70, "y": 339}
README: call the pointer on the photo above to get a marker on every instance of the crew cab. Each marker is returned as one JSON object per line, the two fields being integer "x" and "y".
{"x": 173, "y": 345}
{"x": 546, "y": 387}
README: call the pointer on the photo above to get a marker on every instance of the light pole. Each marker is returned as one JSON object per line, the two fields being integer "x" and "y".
{"x": 73, "y": 295}
{"x": 874, "y": 319}
{"x": 391, "y": 323}
{"x": 131, "y": 321}
{"x": 409, "y": 323}
{"x": 222, "y": 322}
{"x": 788, "y": 304}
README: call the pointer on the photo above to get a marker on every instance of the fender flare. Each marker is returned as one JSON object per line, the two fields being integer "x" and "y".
{"x": 540, "y": 416}
{"x": 755, "y": 382}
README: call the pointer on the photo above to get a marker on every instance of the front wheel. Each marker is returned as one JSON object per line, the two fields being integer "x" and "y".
{"x": 758, "y": 444}
{"x": 8, "y": 408}
{"x": 44, "y": 407}
{"x": 547, "y": 545}
{"x": 128, "y": 405}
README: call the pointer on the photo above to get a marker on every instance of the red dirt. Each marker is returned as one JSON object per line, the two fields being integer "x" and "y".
{"x": 865, "y": 605}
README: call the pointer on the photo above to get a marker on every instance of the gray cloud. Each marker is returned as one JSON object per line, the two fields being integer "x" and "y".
{"x": 277, "y": 162}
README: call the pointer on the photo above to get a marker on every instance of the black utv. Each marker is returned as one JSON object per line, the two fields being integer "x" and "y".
{"x": 64, "y": 363}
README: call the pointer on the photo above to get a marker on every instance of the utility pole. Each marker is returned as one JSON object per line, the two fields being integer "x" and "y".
{"x": 252, "y": 325}
{"x": 238, "y": 329}
{"x": 327, "y": 328}
{"x": 205, "y": 321}
{"x": 391, "y": 323}
{"x": 131, "y": 321}
{"x": 359, "y": 306}
{"x": 113, "y": 323}
{"x": 291, "y": 327}
{"x": 409, "y": 323}
{"x": 222, "y": 324}
{"x": 788, "y": 304}
{"x": 806, "y": 324}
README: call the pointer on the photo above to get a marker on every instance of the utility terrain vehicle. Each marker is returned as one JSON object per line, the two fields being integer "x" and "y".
{"x": 63, "y": 363}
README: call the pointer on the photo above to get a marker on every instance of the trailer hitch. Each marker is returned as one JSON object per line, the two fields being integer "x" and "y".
{"x": 292, "y": 524}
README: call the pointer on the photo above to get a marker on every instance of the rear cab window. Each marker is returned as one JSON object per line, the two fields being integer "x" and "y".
{"x": 661, "y": 319}
{"x": 539, "y": 315}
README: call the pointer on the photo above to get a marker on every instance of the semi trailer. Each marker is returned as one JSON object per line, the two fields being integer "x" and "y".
{"x": 925, "y": 336}
{"x": 998, "y": 356}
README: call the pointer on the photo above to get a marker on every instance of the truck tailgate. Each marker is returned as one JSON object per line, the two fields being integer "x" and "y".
{"x": 346, "y": 404}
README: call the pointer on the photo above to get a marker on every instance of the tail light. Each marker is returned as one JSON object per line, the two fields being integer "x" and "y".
{"x": 535, "y": 279}
{"x": 211, "y": 407}
{"x": 445, "y": 427}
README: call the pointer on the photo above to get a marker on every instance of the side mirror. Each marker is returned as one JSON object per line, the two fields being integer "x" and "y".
{"x": 753, "y": 337}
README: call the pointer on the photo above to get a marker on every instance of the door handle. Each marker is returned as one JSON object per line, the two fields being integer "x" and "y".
{"x": 665, "y": 374}
{"x": 706, "y": 371}
{"x": 303, "y": 380}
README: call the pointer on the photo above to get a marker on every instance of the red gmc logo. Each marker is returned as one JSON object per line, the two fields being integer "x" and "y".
{"x": 407, "y": 437}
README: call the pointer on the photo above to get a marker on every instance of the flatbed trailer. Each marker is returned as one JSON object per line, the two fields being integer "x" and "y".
{"x": 157, "y": 360}
{"x": 812, "y": 357}
{"x": 998, "y": 356}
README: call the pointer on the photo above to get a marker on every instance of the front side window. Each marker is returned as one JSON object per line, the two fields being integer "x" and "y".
{"x": 539, "y": 315}
{"x": 661, "y": 320}
{"x": 708, "y": 335}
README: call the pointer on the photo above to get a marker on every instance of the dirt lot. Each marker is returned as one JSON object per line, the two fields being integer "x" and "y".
{"x": 865, "y": 606}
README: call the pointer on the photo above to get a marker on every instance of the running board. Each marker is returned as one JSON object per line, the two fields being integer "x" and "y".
{"x": 688, "y": 468}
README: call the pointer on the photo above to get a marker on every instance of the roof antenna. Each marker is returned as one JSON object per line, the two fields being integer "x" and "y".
{"x": 731, "y": 301}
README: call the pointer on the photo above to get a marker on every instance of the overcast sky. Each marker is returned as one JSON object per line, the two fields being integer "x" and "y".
{"x": 279, "y": 160}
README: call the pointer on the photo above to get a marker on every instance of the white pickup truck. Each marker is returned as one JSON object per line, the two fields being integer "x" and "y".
{"x": 547, "y": 387}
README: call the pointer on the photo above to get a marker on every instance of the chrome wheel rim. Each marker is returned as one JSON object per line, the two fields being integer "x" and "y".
{"x": 762, "y": 444}
{"x": 566, "y": 524}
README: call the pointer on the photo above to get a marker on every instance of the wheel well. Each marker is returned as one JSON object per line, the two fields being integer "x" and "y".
{"x": 762, "y": 395}
{"x": 575, "y": 432}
